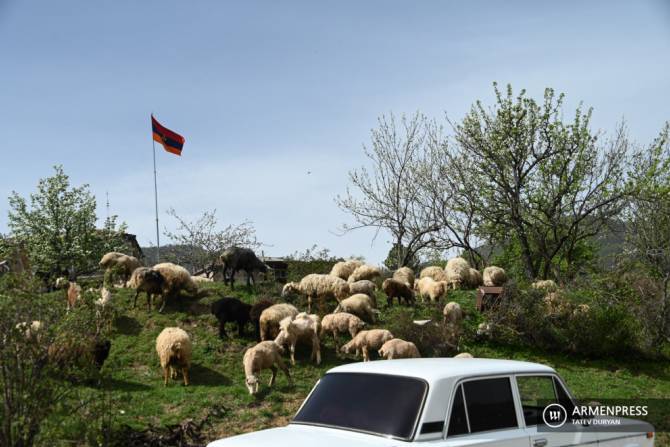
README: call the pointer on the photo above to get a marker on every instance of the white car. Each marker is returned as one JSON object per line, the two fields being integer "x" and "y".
{"x": 441, "y": 402}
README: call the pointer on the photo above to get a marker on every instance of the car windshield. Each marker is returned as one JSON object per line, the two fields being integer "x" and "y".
{"x": 374, "y": 403}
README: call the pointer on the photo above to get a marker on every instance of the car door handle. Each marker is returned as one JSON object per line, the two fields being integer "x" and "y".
{"x": 540, "y": 442}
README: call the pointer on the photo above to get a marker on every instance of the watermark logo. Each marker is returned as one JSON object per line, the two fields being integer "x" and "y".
{"x": 554, "y": 415}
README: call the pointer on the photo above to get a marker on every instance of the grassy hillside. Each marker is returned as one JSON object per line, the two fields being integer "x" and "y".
{"x": 140, "y": 400}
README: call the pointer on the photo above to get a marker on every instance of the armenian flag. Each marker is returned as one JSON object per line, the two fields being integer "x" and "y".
{"x": 171, "y": 141}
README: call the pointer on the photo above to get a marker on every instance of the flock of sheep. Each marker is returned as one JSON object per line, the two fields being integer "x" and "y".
{"x": 351, "y": 284}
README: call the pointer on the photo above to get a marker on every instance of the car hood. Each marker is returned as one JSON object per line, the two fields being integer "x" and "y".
{"x": 296, "y": 435}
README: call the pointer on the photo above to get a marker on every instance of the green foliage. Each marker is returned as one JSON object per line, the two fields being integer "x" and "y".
{"x": 311, "y": 260}
{"x": 397, "y": 255}
{"x": 57, "y": 227}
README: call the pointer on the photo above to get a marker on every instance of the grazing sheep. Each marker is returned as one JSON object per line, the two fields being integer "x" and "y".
{"x": 359, "y": 305}
{"x": 177, "y": 279}
{"x": 341, "y": 323}
{"x": 458, "y": 272}
{"x": 272, "y": 316}
{"x": 363, "y": 286}
{"x": 235, "y": 259}
{"x": 365, "y": 341}
{"x": 149, "y": 281}
{"x": 546, "y": 285}
{"x": 227, "y": 310}
{"x": 122, "y": 263}
{"x": 365, "y": 271}
{"x": 453, "y": 314}
{"x": 435, "y": 272}
{"x": 494, "y": 276}
{"x": 304, "y": 328}
{"x": 395, "y": 288}
{"x": 406, "y": 275}
{"x": 173, "y": 346}
{"x": 73, "y": 295}
{"x": 399, "y": 349}
{"x": 475, "y": 278}
{"x": 344, "y": 269}
{"x": 428, "y": 287}
{"x": 318, "y": 286}
{"x": 265, "y": 355}
{"x": 83, "y": 352}
{"x": 255, "y": 314}
{"x": 201, "y": 279}
{"x": 464, "y": 355}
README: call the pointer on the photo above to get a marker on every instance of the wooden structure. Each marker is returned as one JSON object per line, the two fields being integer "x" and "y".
{"x": 487, "y": 296}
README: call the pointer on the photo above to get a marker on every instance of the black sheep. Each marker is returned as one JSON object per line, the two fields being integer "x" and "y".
{"x": 237, "y": 258}
{"x": 228, "y": 310}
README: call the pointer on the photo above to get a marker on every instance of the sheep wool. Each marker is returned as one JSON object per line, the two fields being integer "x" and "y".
{"x": 303, "y": 328}
{"x": 147, "y": 280}
{"x": 494, "y": 276}
{"x": 177, "y": 278}
{"x": 546, "y": 285}
{"x": 395, "y": 288}
{"x": 399, "y": 349}
{"x": 344, "y": 269}
{"x": 264, "y": 355}
{"x": 453, "y": 314}
{"x": 365, "y": 271}
{"x": 359, "y": 305}
{"x": 464, "y": 355}
{"x": 458, "y": 272}
{"x": 363, "y": 286}
{"x": 427, "y": 287}
{"x": 475, "y": 277}
{"x": 341, "y": 323}
{"x": 435, "y": 272}
{"x": 318, "y": 286}
{"x": 272, "y": 316}
{"x": 406, "y": 275}
{"x": 367, "y": 340}
{"x": 173, "y": 346}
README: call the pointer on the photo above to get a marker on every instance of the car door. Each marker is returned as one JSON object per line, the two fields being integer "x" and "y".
{"x": 483, "y": 413}
{"x": 539, "y": 391}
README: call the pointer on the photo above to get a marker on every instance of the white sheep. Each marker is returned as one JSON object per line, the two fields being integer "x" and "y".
{"x": 406, "y": 275}
{"x": 264, "y": 355}
{"x": 427, "y": 287}
{"x": 341, "y": 323}
{"x": 173, "y": 346}
{"x": 304, "y": 328}
{"x": 546, "y": 285}
{"x": 272, "y": 316}
{"x": 201, "y": 279}
{"x": 475, "y": 277}
{"x": 344, "y": 269}
{"x": 120, "y": 262}
{"x": 177, "y": 279}
{"x": 367, "y": 340}
{"x": 435, "y": 272}
{"x": 359, "y": 305}
{"x": 453, "y": 319}
{"x": 318, "y": 286}
{"x": 494, "y": 276}
{"x": 399, "y": 349}
{"x": 464, "y": 355}
{"x": 365, "y": 271}
{"x": 31, "y": 330}
{"x": 363, "y": 286}
{"x": 458, "y": 272}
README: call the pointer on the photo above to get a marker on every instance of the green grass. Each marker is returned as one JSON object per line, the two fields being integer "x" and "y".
{"x": 134, "y": 377}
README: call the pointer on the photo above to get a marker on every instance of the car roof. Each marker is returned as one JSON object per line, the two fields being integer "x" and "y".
{"x": 433, "y": 369}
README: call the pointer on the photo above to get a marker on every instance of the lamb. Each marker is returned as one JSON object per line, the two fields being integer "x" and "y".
{"x": 173, "y": 346}
{"x": 406, "y": 275}
{"x": 318, "y": 286}
{"x": 363, "y": 286}
{"x": 239, "y": 258}
{"x": 395, "y": 288}
{"x": 464, "y": 355}
{"x": 546, "y": 285}
{"x": 340, "y": 323}
{"x": 149, "y": 281}
{"x": 365, "y": 271}
{"x": 475, "y": 278}
{"x": 494, "y": 276}
{"x": 176, "y": 278}
{"x": 122, "y": 263}
{"x": 458, "y": 272}
{"x": 435, "y": 272}
{"x": 265, "y": 355}
{"x": 272, "y": 316}
{"x": 367, "y": 340}
{"x": 399, "y": 349}
{"x": 255, "y": 314}
{"x": 228, "y": 310}
{"x": 428, "y": 287}
{"x": 344, "y": 269}
{"x": 359, "y": 305}
{"x": 73, "y": 295}
{"x": 303, "y": 328}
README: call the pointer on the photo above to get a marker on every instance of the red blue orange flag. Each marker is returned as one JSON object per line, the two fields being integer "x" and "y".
{"x": 171, "y": 141}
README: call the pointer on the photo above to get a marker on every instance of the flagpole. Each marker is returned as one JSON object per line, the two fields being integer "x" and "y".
{"x": 158, "y": 243}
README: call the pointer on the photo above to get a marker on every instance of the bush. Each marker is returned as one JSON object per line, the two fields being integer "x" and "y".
{"x": 431, "y": 339}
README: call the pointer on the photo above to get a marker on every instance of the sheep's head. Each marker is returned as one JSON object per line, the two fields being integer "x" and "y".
{"x": 341, "y": 290}
{"x": 289, "y": 288}
{"x": 357, "y": 327}
{"x": 252, "y": 384}
{"x": 346, "y": 348}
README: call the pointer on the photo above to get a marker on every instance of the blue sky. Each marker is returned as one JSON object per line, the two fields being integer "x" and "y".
{"x": 266, "y": 91}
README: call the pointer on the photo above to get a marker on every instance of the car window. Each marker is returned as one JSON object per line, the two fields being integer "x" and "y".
{"x": 489, "y": 404}
{"x": 458, "y": 424}
{"x": 536, "y": 392}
